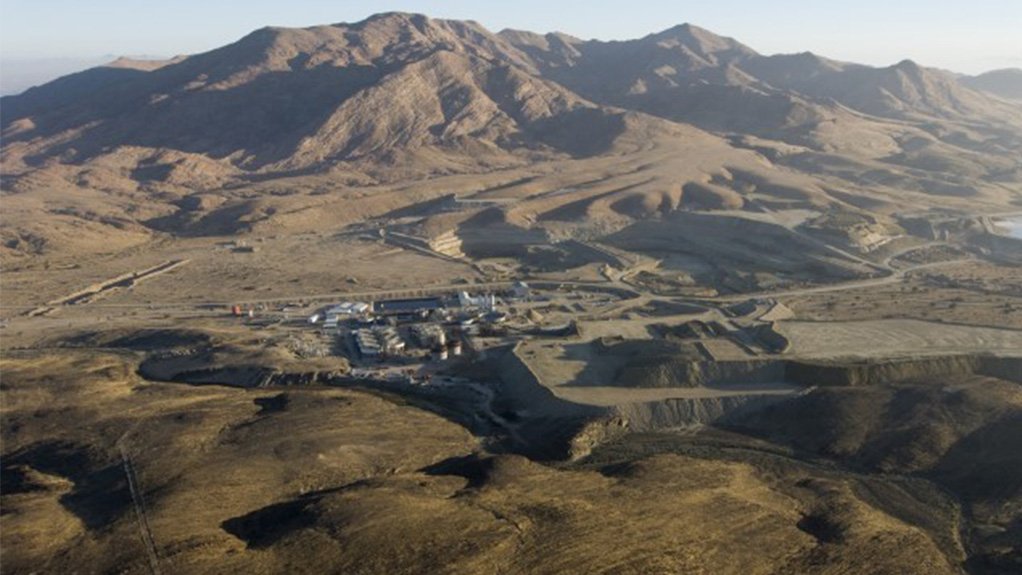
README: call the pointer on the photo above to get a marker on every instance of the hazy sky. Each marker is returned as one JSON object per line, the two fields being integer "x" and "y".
{"x": 962, "y": 35}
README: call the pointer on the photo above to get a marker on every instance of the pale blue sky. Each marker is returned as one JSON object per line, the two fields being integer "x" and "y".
{"x": 962, "y": 35}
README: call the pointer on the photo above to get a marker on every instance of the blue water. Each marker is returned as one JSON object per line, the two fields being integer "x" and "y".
{"x": 1012, "y": 225}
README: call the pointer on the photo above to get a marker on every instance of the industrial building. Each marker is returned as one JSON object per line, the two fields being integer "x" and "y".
{"x": 407, "y": 307}
{"x": 333, "y": 315}
{"x": 390, "y": 339}
{"x": 429, "y": 335}
{"x": 368, "y": 345}
{"x": 349, "y": 308}
{"x": 386, "y": 328}
{"x": 486, "y": 302}
{"x": 378, "y": 341}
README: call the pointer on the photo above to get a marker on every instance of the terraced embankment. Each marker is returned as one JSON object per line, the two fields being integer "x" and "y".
{"x": 694, "y": 392}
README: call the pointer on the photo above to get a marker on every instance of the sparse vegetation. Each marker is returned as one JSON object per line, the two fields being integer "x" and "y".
{"x": 770, "y": 326}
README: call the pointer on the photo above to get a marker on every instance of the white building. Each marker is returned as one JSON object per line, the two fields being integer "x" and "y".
{"x": 341, "y": 312}
{"x": 486, "y": 302}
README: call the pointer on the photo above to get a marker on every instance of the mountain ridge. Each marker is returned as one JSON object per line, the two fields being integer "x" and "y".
{"x": 686, "y": 74}
{"x": 402, "y": 97}
{"x": 1006, "y": 82}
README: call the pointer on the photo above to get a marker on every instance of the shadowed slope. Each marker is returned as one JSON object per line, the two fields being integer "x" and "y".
{"x": 301, "y": 98}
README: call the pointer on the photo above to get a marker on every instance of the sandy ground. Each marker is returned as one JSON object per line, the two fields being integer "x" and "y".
{"x": 972, "y": 292}
{"x": 891, "y": 338}
{"x": 611, "y": 396}
{"x": 226, "y": 489}
{"x": 283, "y": 267}
{"x": 324, "y": 479}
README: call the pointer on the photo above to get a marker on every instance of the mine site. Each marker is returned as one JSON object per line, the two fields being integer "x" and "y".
{"x": 407, "y": 295}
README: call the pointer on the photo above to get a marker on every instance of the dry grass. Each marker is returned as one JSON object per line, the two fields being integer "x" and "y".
{"x": 334, "y": 480}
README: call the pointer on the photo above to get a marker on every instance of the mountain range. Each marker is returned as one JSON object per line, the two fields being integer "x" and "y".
{"x": 403, "y": 97}
{"x": 1006, "y": 83}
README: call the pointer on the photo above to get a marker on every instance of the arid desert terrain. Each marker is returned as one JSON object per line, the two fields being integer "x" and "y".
{"x": 411, "y": 296}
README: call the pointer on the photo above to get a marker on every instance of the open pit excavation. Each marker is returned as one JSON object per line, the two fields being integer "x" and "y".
{"x": 845, "y": 413}
{"x": 406, "y": 295}
{"x": 691, "y": 393}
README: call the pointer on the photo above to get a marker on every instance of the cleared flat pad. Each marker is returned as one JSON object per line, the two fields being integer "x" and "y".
{"x": 569, "y": 371}
{"x": 886, "y": 338}
{"x": 610, "y": 396}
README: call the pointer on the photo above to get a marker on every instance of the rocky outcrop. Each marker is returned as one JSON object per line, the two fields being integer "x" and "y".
{"x": 555, "y": 428}
{"x": 674, "y": 413}
{"x": 595, "y": 433}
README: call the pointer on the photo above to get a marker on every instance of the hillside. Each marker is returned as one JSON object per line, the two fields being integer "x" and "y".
{"x": 281, "y": 100}
{"x": 225, "y": 490}
{"x": 1006, "y": 83}
{"x": 401, "y": 90}
{"x": 117, "y": 155}
{"x": 406, "y": 295}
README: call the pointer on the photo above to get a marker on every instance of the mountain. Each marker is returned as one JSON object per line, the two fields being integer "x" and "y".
{"x": 294, "y": 99}
{"x": 685, "y": 74}
{"x": 122, "y": 150}
{"x": 384, "y": 90}
{"x": 850, "y": 121}
{"x": 20, "y": 74}
{"x": 692, "y": 75}
{"x": 771, "y": 326}
{"x": 1006, "y": 83}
